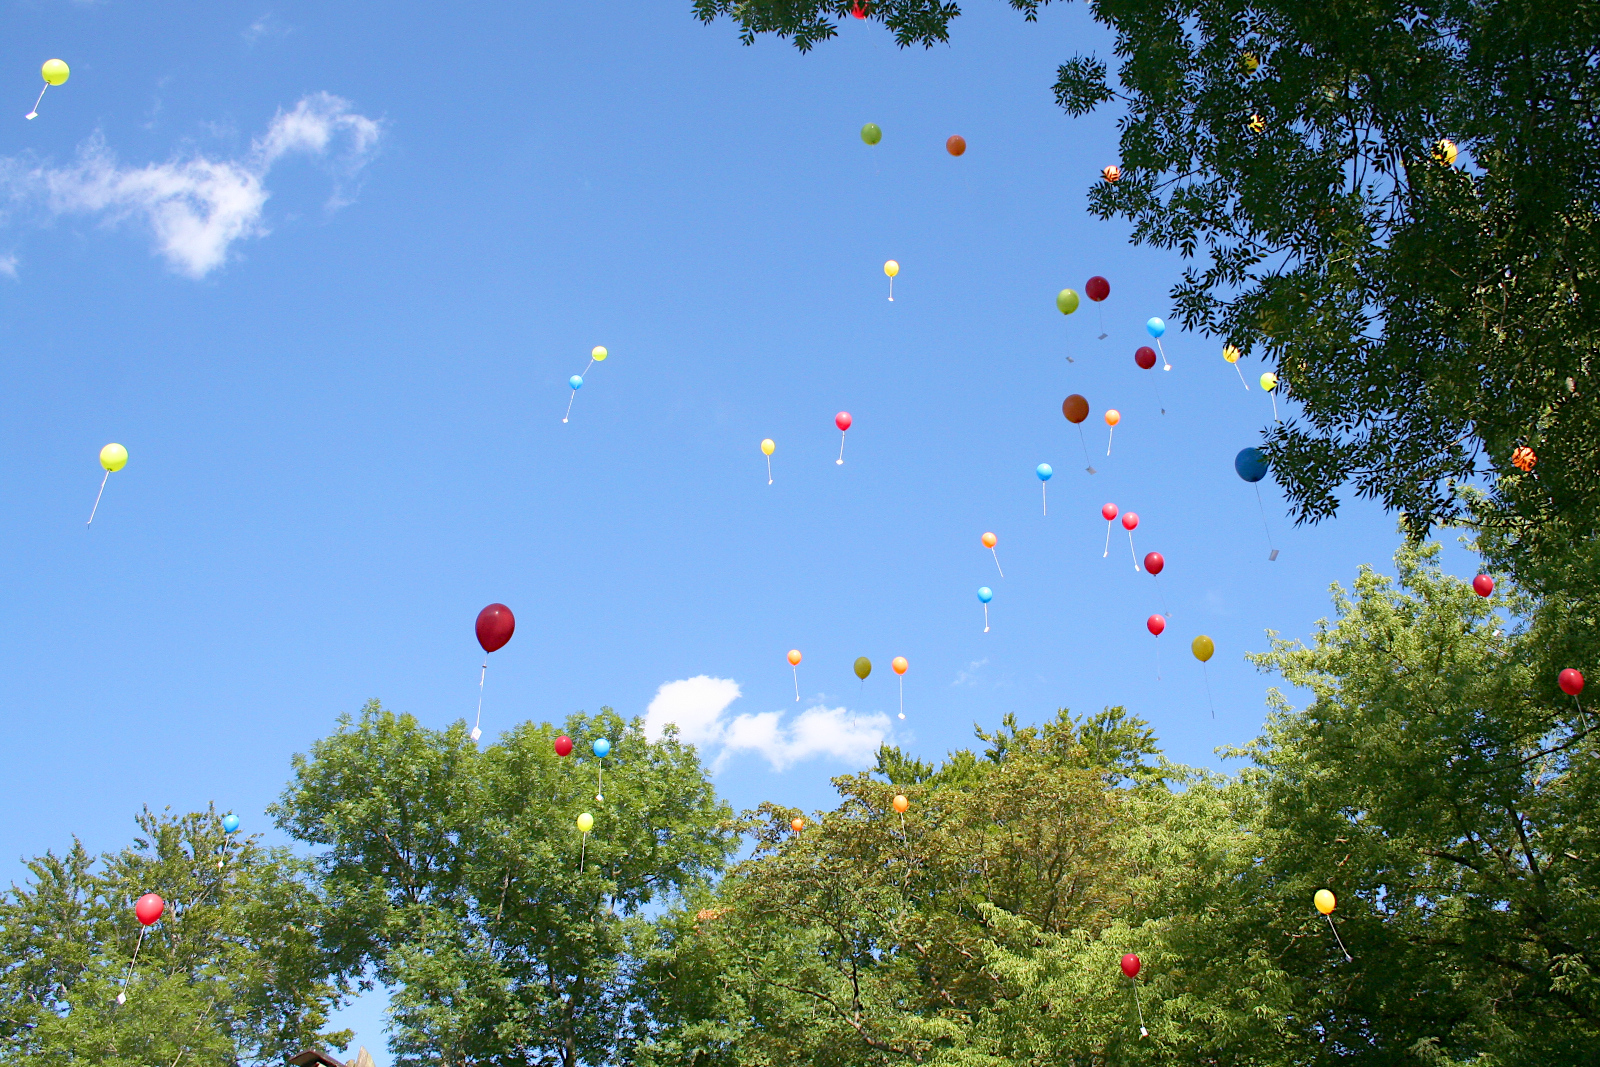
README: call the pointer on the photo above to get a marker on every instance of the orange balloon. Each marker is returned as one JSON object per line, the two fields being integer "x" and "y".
{"x": 901, "y": 803}
{"x": 794, "y": 657}
{"x": 990, "y": 540}
{"x": 900, "y": 664}
{"x": 1113, "y": 416}
{"x": 797, "y": 824}
{"x": 956, "y": 145}
{"x": 1075, "y": 408}
{"x": 1112, "y": 175}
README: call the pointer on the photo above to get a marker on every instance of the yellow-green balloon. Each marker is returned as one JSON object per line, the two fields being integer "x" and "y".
{"x": 585, "y": 822}
{"x": 55, "y": 72}
{"x": 113, "y": 457}
{"x": 599, "y": 354}
{"x": 1203, "y": 648}
{"x": 863, "y": 668}
{"x": 1269, "y": 381}
{"x": 1067, "y": 301}
{"x": 871, "y": 134}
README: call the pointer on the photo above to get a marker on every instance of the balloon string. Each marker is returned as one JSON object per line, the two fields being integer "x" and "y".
{"x": 583, "y": 851}
{"x": 1274, "y": 397}
{"x": 97, "y": 497}
{"x": 1581, "y": 716}
{"x": 1337, "y": 940}
{"x": 1264, "y": 525}
{"x": 568, "y": 415}
{"x": 891, "y": 288}
{"x": 1161, "y": 403}
{"x": 1131, "y": 551}
{"x": 129, "y": 973}
{"x": 1241, "y": 378}
{"x": 796, "y": 681}
{"x": 769, "y": 469}
{"x": 479, "y": 720}
{"x": 1142, "y": 1031}
{"x": 1164, "y": 364}
{"x": 1207, "y": 675}
{"x": 600, "y": 783}
{"x": 986, "y": 618}
{"x": 35, "y": 112}
{"x": 902, "y": 713}
{"x": 1102, "y": 313}
{"x": 1044, "y": 498}
{"x": 586, "y": 369}
{"x": 1161, "y": 589}
{"x": 1107, "y": 551}
{"x": 840, "y": 460}
{"x": 997, "y": 562}
{"x": 1112, "y": 433}
{"x": 1084, "y": 441}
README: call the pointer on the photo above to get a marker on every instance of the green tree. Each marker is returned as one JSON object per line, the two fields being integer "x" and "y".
{"x": 231, "y": 974}
{"x": 459, "y": 877}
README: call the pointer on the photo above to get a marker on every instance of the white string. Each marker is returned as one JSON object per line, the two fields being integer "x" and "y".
{"x": 35, "y": 112}
{"x": 986, "y": 618}
{"x": 997, "y": 562}
{"x": 97, "y": 497}
{"x": 1164, "y": 364}
{"x": 1044, "y": 497}
{"x": 479, "y": 720}
{"x": 1337, "y": 940}
{"x": 769, "y": 469}
{"x": 1107, "y": 551}
{"x": 600, "y": 783}
{"x": 1241, "y": 377}
{"x": 796, "y": 680}
{"x": 1274, "y": 397}
{"x": 891, "y": 288}
{"x": 902, "y": 709}
{"x": 123, "y": 995}
{"x": 1109, "y": 436}
{"x": 840, "y": 460}
{"x": 568, "y": 415}
{"x": 1131, "y": 551}
{"x": 1142, "y": 1031}
{"x": 583, "y": 851}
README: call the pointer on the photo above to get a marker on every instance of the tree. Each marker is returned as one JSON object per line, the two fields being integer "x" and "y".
{"x": 231, "y": 974}
{"x": 458, "y": 876}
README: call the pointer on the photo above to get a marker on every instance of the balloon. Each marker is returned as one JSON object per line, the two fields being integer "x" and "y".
{"x": 1108, "y": 512}
{"x": 585, "y": 823}
{"x": 1153, "y": 562}
{"x": 1145, "y": 357}
{"x": 985, "y": 594}
{"x": 1248, "y": 62}
{"x": 563, "y": 745}
{"x": 1066, "y": 301}
{"x": 990, "y": 540}
{"x": 1155, "y": 624}
{"x": 1251, "y": 463}
{"x": 863, "y": 668}
{"x": 230, "y": 823}
{"x": 1444, "y": 151}
{"x": 1044, "y": 471}
{"x": 1203, "y": 648}
{"x": 842, "y": 420}
{"x": 797, "y": 824}
{"x": 1130, "y": 965}
{"x": 1112, "y": 174}
{"x": 1113, "y": 416}
{"x": 599, "y": 353}
{"x": 113, "y": 457}
{"x": 1483, "y": 585}
{"x": 495, "y": 626}
{"x": 1155, "y": 327}
{"x": 891, "y": 268}
{"x": 1523, "y": 459}
{"x": 1325, "y": 901}
{"x": 1570, "y": 681}
{"x": 1230, "y": 353}
{"x": 148, "y": 908}
{"x": 768, "y": 447}
{"x": 1130, "y": 520}
{"x": 871, "y": 134}
{"x": 1269, "y": 381}
{"x": 602, "y": 747}
{"x": 1097, "y": 288}
{"x": 956, "y": 145}
{"x": 1257, "y": 124}
{"x": 794, "y": 665}
{"x": 1075, "y": 408}
{"x": 55, "y": 72}
{"x": 901, "y": 804}
{"x": 900, "y": 665}
{"x": 794, "y": 657}
{"x": 576, "y": 381}
{"x": 856, "y": 12}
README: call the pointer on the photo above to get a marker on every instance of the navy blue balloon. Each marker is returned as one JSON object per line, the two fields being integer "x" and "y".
{"x": 230, "y": 823}
{"x": 1251, "y": 464}
{"x": 602, "y": 747}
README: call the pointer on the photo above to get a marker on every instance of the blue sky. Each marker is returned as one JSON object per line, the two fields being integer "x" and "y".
{"x": 325, "y": 269}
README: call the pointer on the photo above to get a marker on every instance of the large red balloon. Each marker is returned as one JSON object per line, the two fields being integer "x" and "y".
{"x": 563, "y": 745}
{"x": 1130, "y": 965}
{"x": 1155, "y": 624}
{"x": 496, "y": 624}
{"x": 1153, "y": 562}
{"x": 1075, "y": 408}
{"x": 842, "y": 420}
{"x": 1483, "y": 585}
{"x": 1130, "y": 520}
{"x": 1145, "y": 357}
{"x": 1108, "y": 512}
{"x": 148, "y": 908}
{"x": 1571, "y": 682}
{"x": 1097, "y": 288}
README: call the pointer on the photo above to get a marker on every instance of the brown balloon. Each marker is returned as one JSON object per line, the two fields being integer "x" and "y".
{"x": 1075, "y": 408}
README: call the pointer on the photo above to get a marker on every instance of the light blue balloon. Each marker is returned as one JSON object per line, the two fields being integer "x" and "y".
{"x": 1156, "y": 327}
{"x": 1043, "y": 471}
{"x": 602, "y": 748}
{"x": 576, "y": 381}
{"x": 985, "y": 594}
{"x": 230, "y": 823}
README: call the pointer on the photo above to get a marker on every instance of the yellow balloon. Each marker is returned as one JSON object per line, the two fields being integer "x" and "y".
{"x": 55, "y": 72}
{"x": 1445, "y": 152}
{"x": 1268, "y": 381}
{"x": 1203, "y": 648}
{"x": 599, "y": 354}
{"x": 113, "y": 457}
{"x": 585, "y": 822}
{"x": 891, "y": 268}
{"x": 768, "y": 446}
{"x": 1230, "y": 353}
{"x": 1324, "y": 901}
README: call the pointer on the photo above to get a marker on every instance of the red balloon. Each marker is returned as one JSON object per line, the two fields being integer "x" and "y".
{"x": 1108, "y": 512}
{"x": 563, "y": 745}
{"x": 1483, "y": 585}
{"x": 1571, "y": 682}
{"x": 1097, "y": 288}
{"x": 1130, "y": 520}
{"x": 856, "y": 12}
{"x": 1145, "y": 357}
{"x": 1153, "y": 562}
{"x": 1155, "y": 624}
{"x": 148, "y": 908}
{"x": 842, "y": 420}
{"x": 1130, "y": 965}
{"x": 495, "y": 626}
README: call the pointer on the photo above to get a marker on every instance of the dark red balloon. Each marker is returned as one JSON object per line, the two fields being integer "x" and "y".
{"x": 148, "y": 908}
{"x": 1155, "y": 624}
{"x": 496, "y": 624}
{"x": 563, "y": 745}
{"x": 1145, "y": 357}
{"x": 1571, "y": 682}
{"x": 1153, "y": 562}
{"x": 1097, "y": 288}
{"x": 1130, "y": 965}
{"x": 1483, "y": 585}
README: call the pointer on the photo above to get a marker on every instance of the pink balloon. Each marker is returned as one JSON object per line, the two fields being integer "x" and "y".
{"x": 1108, "y": 512}
{"x": 1130, "y": 521}
{"x": 1571, "y": 682}
{"x": 1153, "y": 562}
{"x": 148, "y": 908}
{"x": 1155, "y": 624}
{"x": 1483, "y": 585}
{"x": 1145, "y": 357}
{"x": 842, "y": 420}
{"x": 1130, "y": 965}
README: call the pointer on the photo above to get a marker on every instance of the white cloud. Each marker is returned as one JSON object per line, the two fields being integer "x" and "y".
{"x": 267, "y": 25}
{"x": 698, "y": 705}
{"x": 8, "y": 265}
{"x": 970, "y": 675}
{"x": 197, "y": 208}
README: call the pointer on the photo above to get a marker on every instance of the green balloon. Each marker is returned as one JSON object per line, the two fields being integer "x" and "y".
{"x": 872, "y": 135}
{"x": 863, "y": 668}
{"x": 1067, "y": 301}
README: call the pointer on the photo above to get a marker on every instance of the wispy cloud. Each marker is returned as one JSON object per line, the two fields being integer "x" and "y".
{"x": 268, "y": 25}
{"x": 970, "y": 675}
{"x": 698, "y": 706}
{"x": 8, "y": 265}
{"x": 196, "y": 208}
